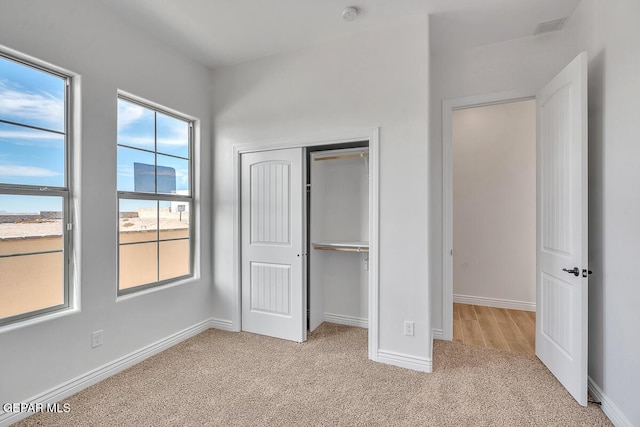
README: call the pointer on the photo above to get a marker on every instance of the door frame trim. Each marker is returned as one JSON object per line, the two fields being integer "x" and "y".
{"x": 448, "y": 107}
{"x": 370, "y": 135}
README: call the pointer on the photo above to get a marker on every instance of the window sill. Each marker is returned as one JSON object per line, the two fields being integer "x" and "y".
{"x": 39, "y": 319}
{"x": 158, "y": 288}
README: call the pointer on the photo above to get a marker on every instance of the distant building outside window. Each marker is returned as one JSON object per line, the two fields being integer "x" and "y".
{"x": 155, "y": 236}
{"x": 144, "y": 178}
{"x": 35, "y": 213}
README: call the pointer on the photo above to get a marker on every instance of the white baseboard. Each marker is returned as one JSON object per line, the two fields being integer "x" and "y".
{"x": 437, "y": 334}
{"x": 346, "y": 320}
{"x": 90, "y": 378}
{"x": 421, "y": 364}
{"x": 608, "y": 407}
{"x": 495, "y": 302}
{"x": 223, "y": 325}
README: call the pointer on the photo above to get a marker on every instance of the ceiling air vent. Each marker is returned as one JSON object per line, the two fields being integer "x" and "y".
{"x": 549, "y": 26}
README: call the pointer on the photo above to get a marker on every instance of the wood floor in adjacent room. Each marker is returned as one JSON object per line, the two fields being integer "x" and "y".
{"x": 492, "y": 327}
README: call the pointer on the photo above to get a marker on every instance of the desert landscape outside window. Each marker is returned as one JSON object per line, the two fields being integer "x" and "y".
{"x": 155, "y": 202}
{"x": 35, "y": 219}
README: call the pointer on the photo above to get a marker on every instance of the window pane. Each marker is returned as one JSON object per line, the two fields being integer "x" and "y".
{"x": 174, "y": 259}
{"x": 173, "y": 136}
{"x": 30, "y": 96}
{"x": 138, "y": 221}
{"x": 155, "y": 160}
{"x": 174, "y": 220}
{"x": 31, "y": 282}
{"x": 138, "y": 264}
{"x": 31, "y": 157}
{"x": 30, "y": 224}
{"x": 136, "y": 125}
{"x": 136, "y": 170}
{"x": 173, "y": 175}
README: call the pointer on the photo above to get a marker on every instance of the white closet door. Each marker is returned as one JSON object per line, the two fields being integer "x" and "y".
{"x": 562, "y": 276}
{"x": 273, "y": 233}
{"x": 316, "y": 261}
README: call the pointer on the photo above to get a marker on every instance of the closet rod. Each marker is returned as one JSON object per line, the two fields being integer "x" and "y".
{"x": 333, "y": 248}
{"x": 344, "y": 156}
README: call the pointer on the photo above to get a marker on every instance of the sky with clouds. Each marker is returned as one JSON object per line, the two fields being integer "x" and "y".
{"x": 32, "y": 133}
{"x": 141, "y": 130}
{"x": 32, "y": 126}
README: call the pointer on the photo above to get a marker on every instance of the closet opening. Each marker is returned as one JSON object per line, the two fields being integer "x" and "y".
{"x": 337, "y": 198}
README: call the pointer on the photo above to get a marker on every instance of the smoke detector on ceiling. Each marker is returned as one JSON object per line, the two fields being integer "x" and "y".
{"x": 350, "y": 13}
{"x": 549, "y": 26}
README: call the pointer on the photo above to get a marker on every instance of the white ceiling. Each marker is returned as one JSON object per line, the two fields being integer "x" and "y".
{"x": 224, "y": 32}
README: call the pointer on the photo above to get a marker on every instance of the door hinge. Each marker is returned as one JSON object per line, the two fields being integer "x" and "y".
{"x": 69, "y": 226}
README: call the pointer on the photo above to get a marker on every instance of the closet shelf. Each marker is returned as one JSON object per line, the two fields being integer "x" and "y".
{"x": 342, "y": 246}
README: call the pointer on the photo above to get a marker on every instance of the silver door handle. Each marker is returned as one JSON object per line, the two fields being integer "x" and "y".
{"x": 575, "y": 271}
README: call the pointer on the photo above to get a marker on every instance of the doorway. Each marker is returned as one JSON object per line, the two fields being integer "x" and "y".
{"x": 561, "y": 221}
{"x": 448, "y": 109}
{"x": 296, "y": 148}
{"x": 494, "y": 225}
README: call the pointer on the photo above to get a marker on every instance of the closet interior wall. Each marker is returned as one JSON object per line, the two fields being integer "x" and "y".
{"x": 338, "y": 215}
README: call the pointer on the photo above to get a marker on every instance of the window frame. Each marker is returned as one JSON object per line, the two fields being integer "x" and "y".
{"x": 159, "y": 197}
{"x": 65, "y": 192}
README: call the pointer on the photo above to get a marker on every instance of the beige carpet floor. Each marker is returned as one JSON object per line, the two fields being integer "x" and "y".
{"x": 220, "y": 378}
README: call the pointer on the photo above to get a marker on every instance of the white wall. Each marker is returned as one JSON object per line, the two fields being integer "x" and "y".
{"x": 609, "y": 31}
{"x": 494, "y": 202}
{"x": 85, "y": 37}
{"x": 378, "y": 78}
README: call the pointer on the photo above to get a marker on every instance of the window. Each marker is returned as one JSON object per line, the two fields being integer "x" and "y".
{"x": 34, "y": 190}
{"x": 155, "y": 200}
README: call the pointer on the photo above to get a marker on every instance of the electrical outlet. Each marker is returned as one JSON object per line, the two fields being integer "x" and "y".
{"x": 96, "y": 339}
{"x": 408, "y": 328}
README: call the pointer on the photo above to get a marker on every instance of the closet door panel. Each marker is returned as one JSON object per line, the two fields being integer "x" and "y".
{"x": 270, "y": 219}
{"x": 316, "y": 260}
{"x": 271, "y": 288}
{"x": 273, "y": 270}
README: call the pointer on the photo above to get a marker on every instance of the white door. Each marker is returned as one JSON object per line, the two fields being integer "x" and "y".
{"x": 562, "y": 263}
{"x": 273, "y": 235}
{"x": 316, "y": 259}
